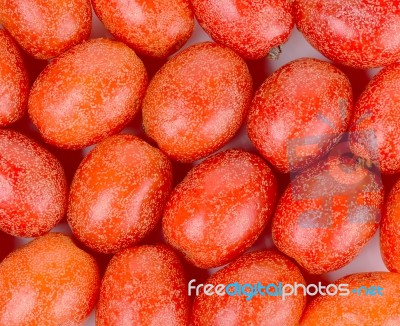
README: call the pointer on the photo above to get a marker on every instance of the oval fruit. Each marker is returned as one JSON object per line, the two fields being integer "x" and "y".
{"x": 357, "y": 33}
{"x": 374, "y": 133}
{"x": 250, "y": 28}
{"x": 197, "y": 101}
{"x": 144, "y": 285}
{"x": 299, "y": 113}
{"x": 328, "y": 213}
{"x": 118, "y": 193}
{"x": 154, "y": 28}
{"x": 47, "y": 28}
{"x": 87, "y": 94}
{"x": 220, "y": 208}
{"x": 265, "y": 268}
{"x": 49, "y": 281}
{"x": 377, "y": 307}
{"x": 14, "y": 81}
{"x": 33, "y": 187}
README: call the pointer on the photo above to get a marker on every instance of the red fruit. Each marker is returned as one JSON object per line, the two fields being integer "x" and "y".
{"x": 87, "y": 94}
{"x": 358, "y": 33}
{"x": 47, "y": 28}
{"x": 220, "y": 208}
{"x": 300, "y": 113}
{"x": 118, "y": 193}
{"x": 14, "y": 81}
{"x": 375, "y": 128}
{"x": 265, "y": 267}
{"x": 49, "y": 281}
{"x": 251, "y": 28}
{"x": 144, "y": 286}
{"x": 328, "y": 213}
{"x": 196, "y": 103}
{"x": 33, "y": 188}
{"x": 358, "y": 308}
{"x": 154, "y": 28}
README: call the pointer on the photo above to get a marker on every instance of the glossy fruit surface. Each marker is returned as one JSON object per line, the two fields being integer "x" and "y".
{"x": 250, "y": 28}
{"x": 87, "y": 94}
{"x": 358, "y": 33}
{"x": 49, "y": 281}
{"x": 299, "y": 113}
{"x": 368, "y": 306}
{"x": 118, "y": 193}
{"x": 47, "y": 28}
{"x": 154, "y": 28}
{"x": 144, "y": 285}
{"x": 14, "y": 81}
{"x": 33, "y": 188}
{"x": 220, "y": 208}
{"x": 265, "y": 267}
{"x": 197, "y": 101}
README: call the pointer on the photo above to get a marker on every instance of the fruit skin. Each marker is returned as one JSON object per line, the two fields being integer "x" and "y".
{"x": 118, "y": 193}
{"x": 197, "y": 101}
{"x": 153, "y": 28}
{"x": 357, "y": 33}
{"x": 251, "y": 28}
{"x": 265, "y": 267}
{"x": 220, "y": 208}
{"x": 374, "y": 129}
{"x": 305, "y": 101}
{"x": 49, "y": 281}
{"x": 33, "y": 187}
{"x": 358, "y": 309}
{"x": 328, "y": 213}
{"x": 87, "y": 94}
{"x": 144, "y": 285}
{"x": 14, "y": 81}
{"x": 47, "y": 28}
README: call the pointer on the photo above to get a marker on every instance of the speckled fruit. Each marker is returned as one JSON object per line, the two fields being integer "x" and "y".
{"x": 299, "y": 113}
{"x": 196, "y": 103}
{"x": 33, "y": 188}
{"x": 360, "y": 308}
{"x": 220, "y": 208}
{"x": 328, "y": 213}
{"x": 118, "y": 193}
{"x": 251, "y": 28}
{"x": 358, "y": 33}
{"x": 87, "y": 94}
{"x": 265, "y": 267}
{"x": 374, "y": 132}
{"x": 49, "y": 281}
{"x": 144, "y": 286}
{"x": 47, "y": 28}
{"x": 154, "y": 28}
{"x": 14, "y": 81}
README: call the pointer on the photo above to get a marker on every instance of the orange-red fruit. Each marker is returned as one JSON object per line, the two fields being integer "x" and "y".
{"x": 33, "y": 188}
{"x": 358, "y": 308}
{"x": 328, "y": 213}
{"x": 196, "y": 103}
{"x": 14, "y": 81}
{"x": 118, "y": 193}
{"x": 265, "y": 267}
{"x": 87, "y": 94}
{"x": 358, "y": 33}
{"x": 47, "y": 28}
{"x": 220, "y": 208}
{"x": 299, "y": 113}
{"x": 154, "y": 28}
{"x": 144, "y": 286}
{"x": 49, "y": 281}
{"x": 251, "y": 28}
{"x": 374, "y": 132}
